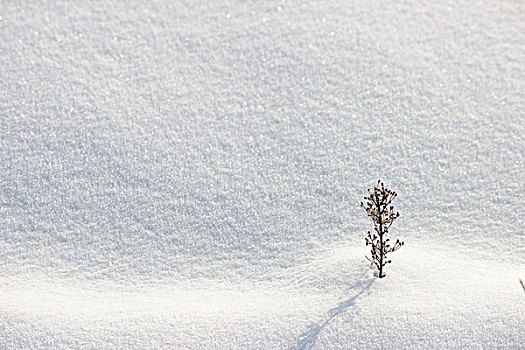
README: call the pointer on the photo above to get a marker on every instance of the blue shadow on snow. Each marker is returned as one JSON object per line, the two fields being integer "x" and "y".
{"x": 308, "y": 338}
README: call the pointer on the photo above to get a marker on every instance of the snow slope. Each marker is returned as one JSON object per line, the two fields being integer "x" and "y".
{"x": 187, "y": 175}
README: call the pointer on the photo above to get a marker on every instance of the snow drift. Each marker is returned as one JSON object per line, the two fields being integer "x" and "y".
{"x": 188, "y": 175}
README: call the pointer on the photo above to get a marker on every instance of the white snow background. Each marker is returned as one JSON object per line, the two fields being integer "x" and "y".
{"x": 187, "y": 175}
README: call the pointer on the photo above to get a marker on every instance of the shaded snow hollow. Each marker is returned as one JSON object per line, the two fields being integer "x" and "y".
{"x": 187, "y": 175}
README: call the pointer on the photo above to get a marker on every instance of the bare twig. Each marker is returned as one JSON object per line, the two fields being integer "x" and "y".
{"x": 379, "y": 209}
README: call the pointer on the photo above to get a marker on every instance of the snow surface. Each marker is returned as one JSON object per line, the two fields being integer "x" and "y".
{"x": 187, "y": 175}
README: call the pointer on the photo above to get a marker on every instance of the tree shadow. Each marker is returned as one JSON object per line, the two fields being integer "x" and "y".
{"x": 308, "y": 339}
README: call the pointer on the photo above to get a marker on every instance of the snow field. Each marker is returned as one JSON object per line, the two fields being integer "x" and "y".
{"x": 187, "y": 175}
{"x": 431, "y": 304}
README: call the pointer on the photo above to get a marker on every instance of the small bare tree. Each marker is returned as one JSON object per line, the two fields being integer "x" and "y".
{"x": 378, "y": 207}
